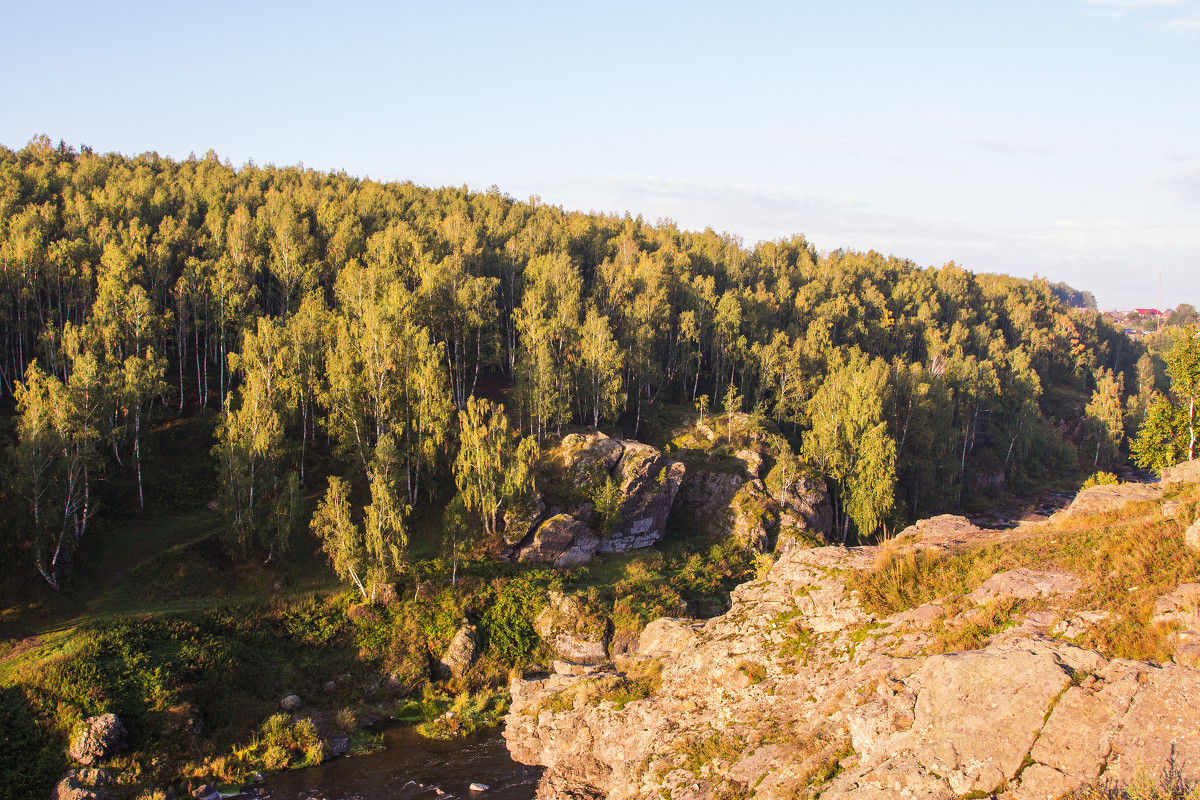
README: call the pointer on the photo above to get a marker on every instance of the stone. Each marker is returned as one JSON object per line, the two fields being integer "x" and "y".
{"x": 752, "y": 460}
{"x": 1187, "y": 655}
{"x": 1026, "y": 716}
{"x": 339, "y": 745}
{"x": 754, "y": 517}
{"x": 206, "y": 791}
{"x": 72, "y": 787}
{"x": 648, "y": 482}
{"x": 1181, "y": 606}
{"x": 523, "y": 519}
{"x": 1106, "y": 498}
{"x": 562, "y": 541}
{"x": 572, "y": 633}
{"x": 942, "y": 530}
{"x": 291, "y": 703}
{"x": 808, "y": 506}
{"x": 590, "y": 457}
{"x": 479, "y": 787}
{"x": 460, "y": 655}
{"x": 1186, "y": 472}
{"x": 97, "y": 738}
{"x": 1191, "y": 536}
{"x": 1172, "y": 509}
{"x": 1025, "y": 584}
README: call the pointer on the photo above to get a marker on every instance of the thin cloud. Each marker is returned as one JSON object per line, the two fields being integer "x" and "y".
{"x": 1166, "y": 14}
{"x": 1013, "y": 147}
{"x": 1101, "y": 255}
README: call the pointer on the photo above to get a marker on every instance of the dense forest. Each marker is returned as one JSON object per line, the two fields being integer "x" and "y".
{"x": 318, "y": 316}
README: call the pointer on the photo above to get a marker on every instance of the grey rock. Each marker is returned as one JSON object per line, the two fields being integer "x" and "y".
{"x": 649, "y": 482}
{"x": 562, "y": 541}
{"x": 1191, "y": 536}
{"x": 1187, "y": 472}
{"x": 291, "y": 703}
{"x": 1024, "y": 584}
{"x": 206, "y": 791}
{"x": 523, "y": 519}
{"x": 339, "y": 745}
{"x": 460, "y": 655}
{"x": 590, "y": 457}
{"x": 97, "y": 738}
{"x": 572, "y": 634}
{"x": 72, "y": 787}
{"x": 1105, "y": 498}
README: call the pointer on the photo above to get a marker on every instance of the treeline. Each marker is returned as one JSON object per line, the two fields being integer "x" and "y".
{"x": 311, "y": 307}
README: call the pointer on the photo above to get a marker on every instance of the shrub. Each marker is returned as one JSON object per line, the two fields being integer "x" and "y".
{"x": 1101, "y": 479}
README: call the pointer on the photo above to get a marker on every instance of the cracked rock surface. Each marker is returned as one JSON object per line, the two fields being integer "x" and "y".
{"x": 799, "y": 691}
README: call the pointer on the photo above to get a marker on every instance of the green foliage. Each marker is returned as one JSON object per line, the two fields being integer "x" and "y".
{"x": 1169, "y": 431}
{"x": 507, "y": 624}
{"x": 33, "y": 759}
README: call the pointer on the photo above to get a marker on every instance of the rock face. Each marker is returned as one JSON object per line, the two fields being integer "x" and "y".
{"x": 97, "y": 738}
{"x": 1100, "y": 499}
{"x": 798, "y": 683}
{"x": 647, "y": 483}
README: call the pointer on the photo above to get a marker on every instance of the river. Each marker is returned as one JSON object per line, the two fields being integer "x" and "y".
{"x": 411, "y": 766}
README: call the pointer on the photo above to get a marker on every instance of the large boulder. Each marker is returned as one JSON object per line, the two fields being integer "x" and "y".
{"x": 563, "y": 541}
{"x": 460, "y": 655}
{"x": 572, "y": 633}
{"x": 589, "y": 457}
{"x": 807, "y": 506}
{"x": 1187, "y": 472}
{"x": 74, "y": 786}
{"x": 97, "y": 738}
{"x": 1108, "y": 497}
{"x": 524, "y": 518}
{"x": 648, "y": 482}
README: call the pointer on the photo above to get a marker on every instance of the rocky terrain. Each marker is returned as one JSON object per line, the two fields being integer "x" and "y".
{"x": 727, "y": 495}
{"x": 800, "y": 690}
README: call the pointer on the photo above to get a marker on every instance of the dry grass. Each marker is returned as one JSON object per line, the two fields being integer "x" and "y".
{"x": 1126, "y": 559}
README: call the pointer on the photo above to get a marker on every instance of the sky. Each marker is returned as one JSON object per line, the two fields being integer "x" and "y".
{"x": 1059, "y": 137}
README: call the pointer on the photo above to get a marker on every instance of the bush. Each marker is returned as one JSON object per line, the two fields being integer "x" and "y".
{"x": 1101, "y": 479}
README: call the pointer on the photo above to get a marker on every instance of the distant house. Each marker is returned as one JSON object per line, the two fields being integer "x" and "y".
{"x": 1147, "y": 312}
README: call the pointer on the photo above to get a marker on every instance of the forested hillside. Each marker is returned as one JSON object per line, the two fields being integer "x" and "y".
{"x": 337, "y": 327}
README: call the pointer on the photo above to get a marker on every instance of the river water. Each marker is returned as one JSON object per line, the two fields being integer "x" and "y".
{"x": 410, "y": 767}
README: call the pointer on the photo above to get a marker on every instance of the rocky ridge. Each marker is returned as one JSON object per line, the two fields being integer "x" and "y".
{"x": 798, "y": 690}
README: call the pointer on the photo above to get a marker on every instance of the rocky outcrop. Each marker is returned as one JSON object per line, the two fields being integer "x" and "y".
{"x": 83, "y": 784}
{"x": 96, "y": 739}
{"x": 799, "y": 688}
{"x": 732, "y": 499}
{"x": 646, "y": 482}
{"x": 460, "y": 655}
{"x": 1108, "y": 497}
{"x": 1187, "y": 472}
{"x": 524, "y": 519}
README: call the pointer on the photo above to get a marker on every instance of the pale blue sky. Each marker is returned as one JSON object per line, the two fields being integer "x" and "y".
{"x": 1059, "y": 137}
